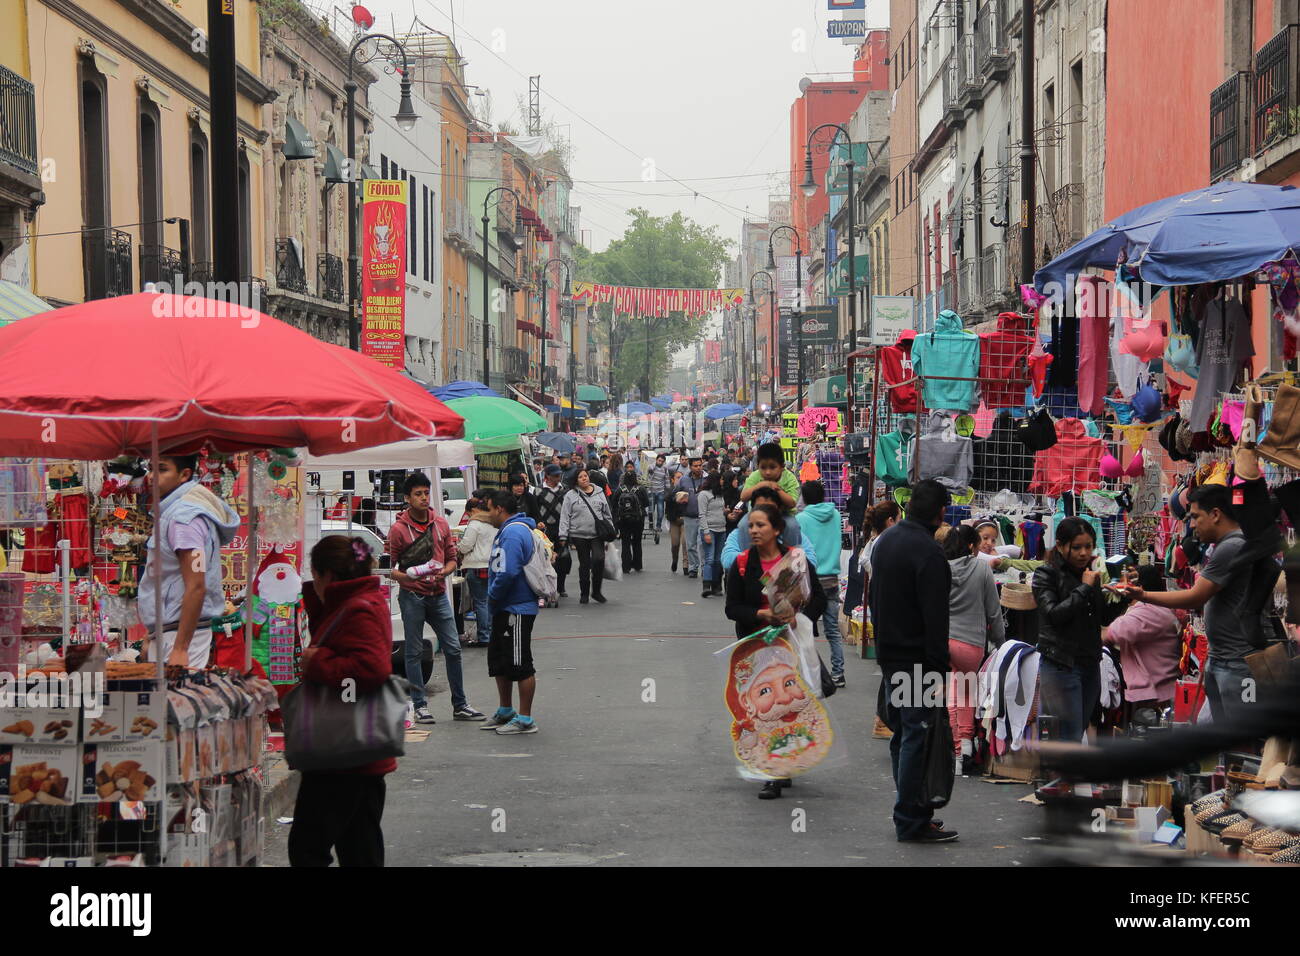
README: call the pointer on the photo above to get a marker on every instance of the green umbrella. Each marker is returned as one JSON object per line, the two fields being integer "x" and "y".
{"x": 487, "y": 418}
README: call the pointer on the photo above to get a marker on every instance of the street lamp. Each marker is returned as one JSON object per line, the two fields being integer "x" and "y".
{"x": 753, "y": 344}
{"x": 797, "y": 311}
{"x": 568, "y": 291}
{"x": 519, "y": 240}
{"x": 405, "y": 118}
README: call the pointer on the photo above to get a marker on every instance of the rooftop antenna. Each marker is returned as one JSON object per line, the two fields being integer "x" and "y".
{"x": 535, "y": 105}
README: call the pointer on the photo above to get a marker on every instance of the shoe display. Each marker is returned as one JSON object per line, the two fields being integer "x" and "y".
{"x": 517, "y": 726}
{"x": 1235, "y": 834}
{"x": 1290, "y": 855}
{"x": 1222, "y": 821}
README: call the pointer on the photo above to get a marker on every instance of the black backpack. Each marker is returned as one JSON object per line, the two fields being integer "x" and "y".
{"x": 629, "y": 508}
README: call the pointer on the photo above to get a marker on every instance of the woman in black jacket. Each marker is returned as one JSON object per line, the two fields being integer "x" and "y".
{"x": 1072, "y": 610}
{"x": 746, "y": 603}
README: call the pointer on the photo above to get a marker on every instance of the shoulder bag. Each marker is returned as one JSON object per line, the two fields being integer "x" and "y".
{"x": 604, "y": 527}
{"x": 418, "y": 551}
{"x": 325, "y": 731}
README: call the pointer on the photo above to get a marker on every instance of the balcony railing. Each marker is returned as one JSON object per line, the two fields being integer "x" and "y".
{"x": 953, "y": 114}
{"x": 1277, "y": 111}
{"x": 1230, "y": 126}
{"x": 968, "y": 286}
{"x": 1067, "y": 213}
{"x": 515, "y": 364}
{"x": 456, "y": 222}
{"x": 289, "y": 271}
{"x": 947, "y": 294}
{"x": 160, "y": 264}
{"x": 107, "y": 263}
{"x": 970, "y": 83}
{"x": 18, "y": 122}
{"x": 329, "y": 277}
{"x": 993, "y": 275}
{"x": 992, "y": 48}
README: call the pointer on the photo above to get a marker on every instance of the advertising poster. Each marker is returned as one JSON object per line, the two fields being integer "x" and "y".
{"x": 383, "y": 271}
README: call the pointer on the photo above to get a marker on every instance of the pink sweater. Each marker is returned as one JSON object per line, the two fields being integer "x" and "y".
{"x": 1148, "y": 640}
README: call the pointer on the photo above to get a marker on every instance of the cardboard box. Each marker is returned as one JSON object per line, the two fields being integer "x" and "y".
{"x": 144, "y": 715}
{"x": 40, "y": 725}
{"x": 126, "y": 771}
{"x": 39, "y": 774}
{"x": 107, "y": 726}
{"x": 1149, "y": 820}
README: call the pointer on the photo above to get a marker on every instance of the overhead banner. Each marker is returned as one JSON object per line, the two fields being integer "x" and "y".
{"x": 383, "y": 271}
{"x": 632, "y": 300}
{"x": 712, "y": 351}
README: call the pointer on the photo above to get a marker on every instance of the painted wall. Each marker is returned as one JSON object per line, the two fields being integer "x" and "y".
{"x": 820, "y": 103}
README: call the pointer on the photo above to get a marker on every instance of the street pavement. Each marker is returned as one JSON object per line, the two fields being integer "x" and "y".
{"x": 615, "y": 779}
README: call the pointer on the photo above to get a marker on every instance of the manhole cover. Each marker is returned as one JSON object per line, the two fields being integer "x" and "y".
{"x": 522, "y": 858}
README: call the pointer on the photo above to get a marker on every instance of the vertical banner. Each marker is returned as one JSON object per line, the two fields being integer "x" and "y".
{"x": 383, "y": 271}
{"x": 713, "y": 351}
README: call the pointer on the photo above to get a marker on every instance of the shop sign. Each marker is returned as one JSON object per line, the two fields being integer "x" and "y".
{"x": 890, "y": 315}
{"x": 383, "y": 271}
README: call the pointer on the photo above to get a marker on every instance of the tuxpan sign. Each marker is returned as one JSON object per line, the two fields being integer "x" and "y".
{"x": 890, "y": 315}
{"x": 846, "y": 29}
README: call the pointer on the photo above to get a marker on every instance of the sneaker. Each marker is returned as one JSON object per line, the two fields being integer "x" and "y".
{"x": 497, "y": 719}
{"x": 516, "y": 726}
{"x": 599, "y": 598}
{"x": 466, "y": 712}
{"x": 422, "y": 716}
{"x": 931, "y": 834}
{"x": 838, "y": 680}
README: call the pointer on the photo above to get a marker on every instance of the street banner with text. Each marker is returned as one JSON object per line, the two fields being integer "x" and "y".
{"x": 383, "y": 271}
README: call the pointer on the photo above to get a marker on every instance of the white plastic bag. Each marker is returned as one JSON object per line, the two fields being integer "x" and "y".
{"x": 613, "y": 562}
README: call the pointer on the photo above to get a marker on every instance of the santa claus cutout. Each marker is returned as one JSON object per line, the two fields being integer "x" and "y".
{"x": 276, "y": 608}
{"x": 779, "y": 726}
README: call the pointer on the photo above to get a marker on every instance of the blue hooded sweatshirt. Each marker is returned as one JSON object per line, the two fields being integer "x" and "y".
{"x": 508, "y": 590}
{"x": 821, "y": 524}
{"x": 952, "y": 352}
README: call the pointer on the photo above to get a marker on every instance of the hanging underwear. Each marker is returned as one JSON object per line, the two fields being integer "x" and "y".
{"x": 1134, "y": 435}
{"x": 1180, "y": 355}
{"x": 1123, "y": 410}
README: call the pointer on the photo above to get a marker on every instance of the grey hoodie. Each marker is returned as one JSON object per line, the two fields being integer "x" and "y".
{"x": 974, "y": 612}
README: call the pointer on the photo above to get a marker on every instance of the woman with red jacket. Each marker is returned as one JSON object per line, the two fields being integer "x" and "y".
{"x": 352, "y": 638}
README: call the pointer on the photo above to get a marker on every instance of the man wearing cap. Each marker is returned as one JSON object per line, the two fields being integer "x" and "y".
{"x": 544, "y": 508}
{"x": 686, "y": 491}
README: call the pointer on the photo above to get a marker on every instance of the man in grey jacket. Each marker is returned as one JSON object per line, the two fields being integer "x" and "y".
{"x": 658, "y": 484}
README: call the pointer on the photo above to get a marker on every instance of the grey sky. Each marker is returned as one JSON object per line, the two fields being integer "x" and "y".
{"x": 702, "y": 89}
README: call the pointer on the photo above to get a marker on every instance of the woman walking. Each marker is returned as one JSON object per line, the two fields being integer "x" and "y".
{"x": 352, "y": 647}
{"x": 584, "y": 506}
{"x": 475, "y": 547}
{"x": 1072, "y": 610}
{"x": 747, "y": 604}
{"x": 974, "y": 622}
{"x": 713, "y": 534}
{"x": 731, "y": 497}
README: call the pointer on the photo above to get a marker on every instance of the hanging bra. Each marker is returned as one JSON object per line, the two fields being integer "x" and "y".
{"x": 1145, "y": 342}
{"x": 1180, "y": 355}
{"x": 1109, "y": 466}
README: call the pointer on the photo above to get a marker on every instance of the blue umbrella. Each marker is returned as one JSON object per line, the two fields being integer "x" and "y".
{"x": 723, "y": 410}
{"x": 1222, "y": 232}
{"x": 560, "y": 441}
{"x": 635, "y": 408}
{"x": 663, "y": 404}
{"x": 454, "y": 390}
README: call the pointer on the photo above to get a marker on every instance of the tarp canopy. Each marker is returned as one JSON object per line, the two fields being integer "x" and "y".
{"x": 723, "y": 410}
{"x": 453, "y": 390}
{"x": 17, "y": 303}
{"x": 635, "y": 408}
{"x": 592, "y": 393}
{"x": 560, "y": 441}
{"x": 414, "y": 453}
{"x": 1215, "y": 234}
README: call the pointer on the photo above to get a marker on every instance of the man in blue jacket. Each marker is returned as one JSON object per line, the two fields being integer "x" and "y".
{"x": 513, "y": 607}
{"x": 821, "y": 523}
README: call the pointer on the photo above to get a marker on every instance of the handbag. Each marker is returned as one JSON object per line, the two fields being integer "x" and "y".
{"x": 940, "y": 768}
{"x": 605, "y": 531}
{"x": 418, "y": 551}
{"x": 1037, "y": 430}
{"x": 325, "y": 731}
{"x": 1282, "y": 443}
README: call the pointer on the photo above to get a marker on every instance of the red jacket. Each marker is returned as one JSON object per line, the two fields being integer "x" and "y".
{"x": 360, "y": 647}
{"x": 895, "y": 367}
{"x": 404, "y": 531}
{"x": 1072, "y": 464}
{"x": 1004, "y": 366}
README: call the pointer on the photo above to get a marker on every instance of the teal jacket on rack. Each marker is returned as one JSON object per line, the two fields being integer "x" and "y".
{"x": 953, "y": 353}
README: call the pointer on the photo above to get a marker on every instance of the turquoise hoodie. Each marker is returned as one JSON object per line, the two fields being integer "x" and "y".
{"x": 822, "y": 525}
{"x": 952, "y": 352}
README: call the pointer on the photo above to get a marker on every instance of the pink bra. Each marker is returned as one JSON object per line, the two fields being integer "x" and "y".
{"x": 1110, "y": 467}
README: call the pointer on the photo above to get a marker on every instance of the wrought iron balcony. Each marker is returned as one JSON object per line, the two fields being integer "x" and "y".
{"x": 992, "y": 46}
{"x": 968, "y": 286}
{"x": 1067, "y": 213}
{"x": 18, "y": 122}
{"x": 289, "y": 271}
{"x": 1230, "y": 125}
{"x": 160, "y": 264}
{"x": 1276, "y": 107}
{"x": 970, "y": 82}
{"x": 329, "y": 277}
{"x": 947, "y": 294}
{"x": 515, "y": 364}
{"x": 107, "y": 263}
{"x": 993, "y": 276}
{"x": 953, "y": 114}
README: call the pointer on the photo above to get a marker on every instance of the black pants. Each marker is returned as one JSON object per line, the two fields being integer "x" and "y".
{"x": 631, "y": 535}
{"x": 339, "y": 811}
{"x": 591, "y": 564}
{"x": 563, "y": 565}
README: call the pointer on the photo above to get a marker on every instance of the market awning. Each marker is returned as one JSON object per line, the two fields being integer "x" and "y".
{"x": 335, "y": 165}
{"x": 592, "y": 393}
{"x": 833, "y": 390}
{"x": 17, "y": 303}
{"x": 298, "y": 142}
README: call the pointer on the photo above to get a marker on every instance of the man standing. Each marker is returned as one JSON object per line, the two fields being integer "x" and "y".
{"x": 568, "y": 470}
{"x": 513, "y": 606}
{"x": 657, "y": 484}
{"x": 545, "y": 512}
{"x": 690, "y": 485}
{"x": 424, "y": 599}
{"x": 909, "y": 611}
{"x": 630, "y": 505}
{"x": 195, "y": 524}
{"x": 1220, "y": 588}
{"x": 820, "y": 522}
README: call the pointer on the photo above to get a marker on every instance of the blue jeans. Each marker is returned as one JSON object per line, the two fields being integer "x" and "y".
{"x": 907, "y": 759}
{"x": 478, "y": 593}
{"x": 656, "y": 510}
{"x": 1223, "y": 688}
{"x": 691, "y": 529}
{"x": 435, "y": 609}
{"x": 1070, "y": 694}
{"x": 831, "y": 623}
{"x": 711, "y": 555}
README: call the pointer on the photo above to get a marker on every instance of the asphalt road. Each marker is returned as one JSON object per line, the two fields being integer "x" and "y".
{"x": 612, "y": 779}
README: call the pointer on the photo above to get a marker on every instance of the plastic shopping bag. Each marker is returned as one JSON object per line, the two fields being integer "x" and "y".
{"x": 613, "y": 562}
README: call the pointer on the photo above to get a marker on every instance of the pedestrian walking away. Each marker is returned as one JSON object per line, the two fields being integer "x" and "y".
{"x": 713, "y": 530}
{"x": 585, "y": 507}
{"x": 424, "y": 556}
{"x": 630, "y": 504}
{"x": 342, "y": 810}
{"x": 513, "y": 604}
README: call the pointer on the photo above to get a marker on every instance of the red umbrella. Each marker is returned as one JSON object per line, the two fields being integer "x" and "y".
{"x": 93, "y": 380}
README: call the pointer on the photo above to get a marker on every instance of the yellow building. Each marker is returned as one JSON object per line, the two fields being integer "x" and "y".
{"x": 121, "y": 100}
